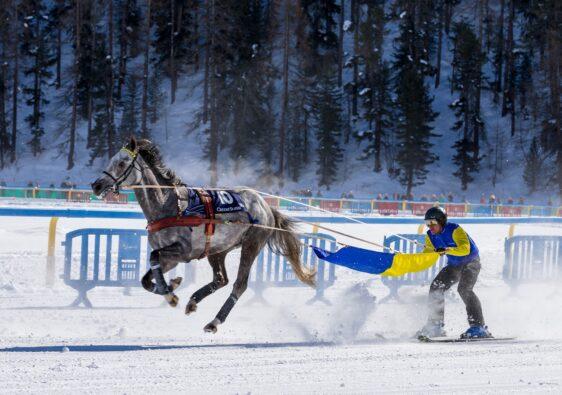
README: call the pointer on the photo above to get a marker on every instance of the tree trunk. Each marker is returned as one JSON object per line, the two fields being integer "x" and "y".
{"x": 207, "y": 65}
{"x": 172, "y": 54}
{"x": 439, "y": 45}
{"x": 59, "y": 55}
{"x": 477, "y": 121}
{"x": 340, "y": 44}
{"x": 36, "y": 87}
{"x": 378, "y": 134}
{"x": 122, "y": 50}
{"x": 196, "y": 36}
{"x": 90, "y": 140}
{"x": 3, "y": 129}
{"x": 213, "y": 138}
{"x": 448, "y": 15}
{"x": 553, "y": 75}
{"x": 508, "y": 103}
{"x": 285, "y": 99}
{"x": 144, "y": 106}
{"x": 111, "y": 79}
{"x": 355, "y": 6}
{"x": 499, "y": 55}
{"x": 15, "y": 54}
{"x": 72, "y": 139}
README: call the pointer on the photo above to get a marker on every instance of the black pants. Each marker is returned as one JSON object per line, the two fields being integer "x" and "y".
{"x": 466, "y": 275}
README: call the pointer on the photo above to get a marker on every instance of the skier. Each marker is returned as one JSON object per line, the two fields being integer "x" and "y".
{"x": 463, "y": 266}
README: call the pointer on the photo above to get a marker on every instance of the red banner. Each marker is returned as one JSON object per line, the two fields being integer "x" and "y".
{"x": 455, "y": 210}
{"x": 115, "y": 198}
{"x": 510, "y": 211}
{"x": 330, "y": 205}
{"x": 421, "y": 208}
{"x": 272, "y": 201}
{"x": 387, "y": 208}
{"x": 73, "y": 196}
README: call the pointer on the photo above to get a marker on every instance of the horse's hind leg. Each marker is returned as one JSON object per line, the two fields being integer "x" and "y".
{"x": 220, "y": 279}
{"x": 250, "y": 250}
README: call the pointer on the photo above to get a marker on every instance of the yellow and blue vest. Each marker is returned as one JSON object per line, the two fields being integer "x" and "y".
{"x": 461, "y": 248}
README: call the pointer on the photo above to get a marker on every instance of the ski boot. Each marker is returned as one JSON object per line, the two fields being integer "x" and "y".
{"x": 476, "y": 332}
{"x": 432, "y": 329}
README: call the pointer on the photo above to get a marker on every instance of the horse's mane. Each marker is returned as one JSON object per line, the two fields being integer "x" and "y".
{"x": 151, "y": 155}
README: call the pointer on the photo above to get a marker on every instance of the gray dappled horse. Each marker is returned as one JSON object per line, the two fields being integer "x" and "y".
{"x": 139, "y": 163}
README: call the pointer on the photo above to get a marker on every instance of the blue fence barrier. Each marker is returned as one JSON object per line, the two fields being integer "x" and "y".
{"x": 273, "y": 270}
{"x": 531, "y": 259}
{"x": 120, "y": 257}
{"x": 121, "y": 264}
{"x": 398, "y": 243}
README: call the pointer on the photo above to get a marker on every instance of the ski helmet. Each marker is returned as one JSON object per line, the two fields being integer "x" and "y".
{"x": 438, "y": 214}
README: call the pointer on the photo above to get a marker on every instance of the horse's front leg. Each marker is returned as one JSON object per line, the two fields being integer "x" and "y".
{"x": 161, "y": 261}
{"x": 220, "y": 279}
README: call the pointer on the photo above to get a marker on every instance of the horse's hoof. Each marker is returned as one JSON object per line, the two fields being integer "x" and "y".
{"x": 190, "y": 307}
{"x": 175, "y": 282}
{"x": 210, "y": 328}
{"x": 172, "y": 299}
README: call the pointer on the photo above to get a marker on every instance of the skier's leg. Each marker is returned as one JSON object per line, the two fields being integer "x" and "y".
{"x": 448, "y": 276}
{"x": 468, "y": 278}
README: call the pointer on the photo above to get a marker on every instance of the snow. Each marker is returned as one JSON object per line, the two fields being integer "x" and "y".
{"x": 132, "y": 344}
{"x": 364, "y": 91}
{"x": 347, "y": 25}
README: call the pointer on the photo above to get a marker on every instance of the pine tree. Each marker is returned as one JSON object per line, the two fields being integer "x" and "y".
{"x": 129, "y": 121}
{"x": 298, "y": 106}
{"x": 413, "y": 105}
{"x": 374, "y": 83}
{"x": 533, "y": 172}
{"x": 58, "y": 14}
{"x": 253, "y": 82}
{"x": 175, "y": 40}
{"x": 328, "y": 125}
{"x": 467, "y": 62}
{"x": 129, "y": 21}
{"x": 156, "y": 96}
{"x": 100, "y": 132}
{"x": 37, "y": 52}
{"x": 16, "y": 33}
{"x": 4, "y": 53}
{"x": 325, "y": 94}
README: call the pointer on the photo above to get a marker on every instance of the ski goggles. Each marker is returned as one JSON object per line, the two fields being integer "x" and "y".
{"x": 430, "y": 222}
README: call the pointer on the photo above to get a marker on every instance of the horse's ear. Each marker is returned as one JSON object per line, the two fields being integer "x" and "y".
{"x": 133, "y": 144}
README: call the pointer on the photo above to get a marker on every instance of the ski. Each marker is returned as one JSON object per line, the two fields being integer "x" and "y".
{"x": 425, "y": 339}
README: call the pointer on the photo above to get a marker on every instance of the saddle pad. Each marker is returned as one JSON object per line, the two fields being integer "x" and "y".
{"x": 223, "y": 202}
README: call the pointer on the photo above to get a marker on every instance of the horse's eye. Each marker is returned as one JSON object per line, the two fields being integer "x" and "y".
{"x": 121, "y": 164}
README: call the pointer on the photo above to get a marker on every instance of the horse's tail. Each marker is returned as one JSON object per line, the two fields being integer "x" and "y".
{"x": 286, "y": 243}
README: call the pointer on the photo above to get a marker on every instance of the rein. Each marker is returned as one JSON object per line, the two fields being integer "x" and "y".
{"x": 196, "y": 221}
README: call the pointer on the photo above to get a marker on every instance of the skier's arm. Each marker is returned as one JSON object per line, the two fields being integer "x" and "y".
{"x": 428, "y": 247}
{"x": 461, "y": 240}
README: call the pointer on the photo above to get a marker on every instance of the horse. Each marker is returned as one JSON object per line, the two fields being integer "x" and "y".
{"x": 162, "y": 196}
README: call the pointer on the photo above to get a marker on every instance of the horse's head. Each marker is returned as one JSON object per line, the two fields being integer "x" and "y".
{"x": 124, "y": 169}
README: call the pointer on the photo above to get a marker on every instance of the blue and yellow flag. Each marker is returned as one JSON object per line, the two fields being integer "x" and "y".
{"x": 384, "y": 263}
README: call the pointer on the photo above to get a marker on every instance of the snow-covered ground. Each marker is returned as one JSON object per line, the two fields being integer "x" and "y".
{"x": 133, "y": 344}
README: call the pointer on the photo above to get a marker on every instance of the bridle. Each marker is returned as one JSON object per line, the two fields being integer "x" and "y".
{"x": 119, "y": 180}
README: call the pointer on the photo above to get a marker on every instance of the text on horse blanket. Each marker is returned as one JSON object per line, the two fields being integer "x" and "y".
{"x": 223, "y": 202}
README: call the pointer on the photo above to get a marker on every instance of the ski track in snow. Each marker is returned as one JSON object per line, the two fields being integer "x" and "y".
{"x": 132, "y": 344}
